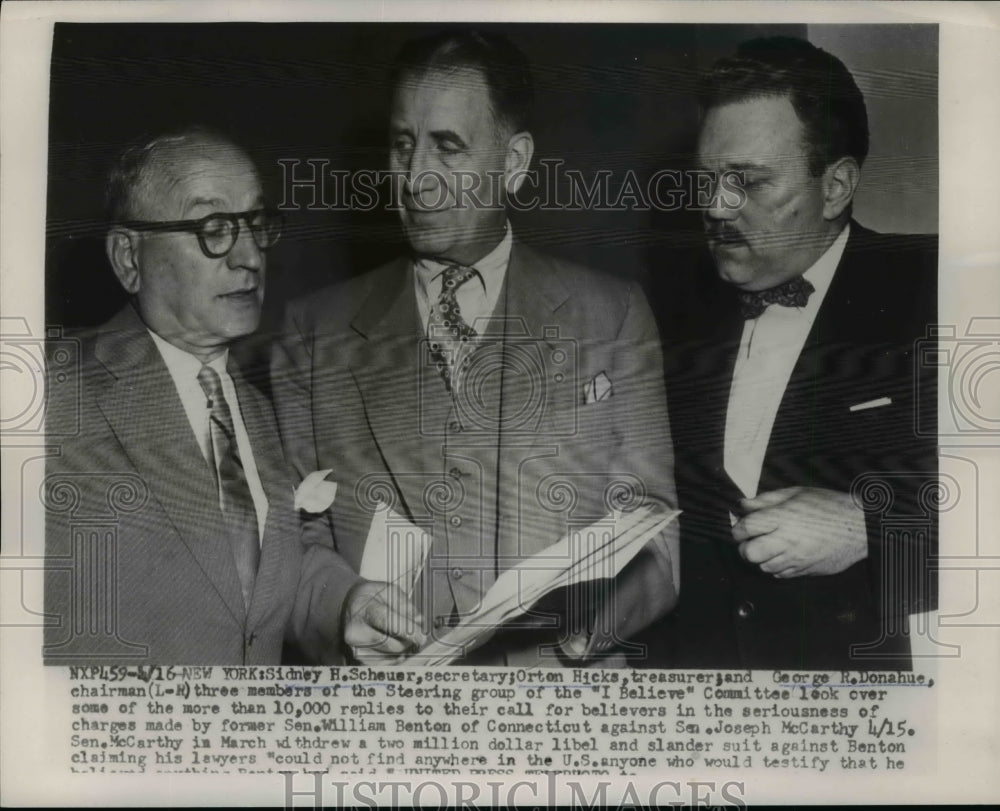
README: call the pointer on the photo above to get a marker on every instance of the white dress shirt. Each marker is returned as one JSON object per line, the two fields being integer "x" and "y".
{"x": 477, "y": 298}
{"x": 770, "y": 346}
{"x": 184, "y": 368}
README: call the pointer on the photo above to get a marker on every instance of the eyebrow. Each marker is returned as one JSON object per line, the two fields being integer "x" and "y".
{"x": 448, "y": 135}
{"x": 219, "y": 202}
{"x": 437, "y": 135}
{"x": 747, "y": 166}
{"x": 738, "y": 166}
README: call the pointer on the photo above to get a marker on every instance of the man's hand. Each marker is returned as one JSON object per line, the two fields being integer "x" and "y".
{"x": 381, "y": 625}
{"x": 800, "y": 531}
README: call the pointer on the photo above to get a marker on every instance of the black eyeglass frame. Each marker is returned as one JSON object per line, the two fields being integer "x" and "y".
{"x": 197, "y": 227}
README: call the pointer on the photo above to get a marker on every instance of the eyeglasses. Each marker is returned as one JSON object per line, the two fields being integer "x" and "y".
{"x": 217, "y": 233}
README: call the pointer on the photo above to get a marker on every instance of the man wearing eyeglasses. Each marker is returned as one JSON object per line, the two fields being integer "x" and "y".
{"x": 808, "y": 493}
{"x": 198, "y": 555}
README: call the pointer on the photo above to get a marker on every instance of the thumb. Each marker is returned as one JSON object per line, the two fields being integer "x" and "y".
{"x": 772, "y": 498}
{"x": 393, "y": 613}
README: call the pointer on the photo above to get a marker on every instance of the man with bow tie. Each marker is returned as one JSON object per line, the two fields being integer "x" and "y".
{"x": 171, "y": 532}
{"x": 493, "y": 396}
{"x": 793, "y": 386}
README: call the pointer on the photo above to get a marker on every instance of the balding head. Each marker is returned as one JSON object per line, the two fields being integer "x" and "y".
{"x": 146, "y": 171}
{"x": 187, "y": 238}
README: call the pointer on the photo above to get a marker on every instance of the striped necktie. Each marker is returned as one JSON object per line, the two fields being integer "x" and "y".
{"x": 231, "y": 481}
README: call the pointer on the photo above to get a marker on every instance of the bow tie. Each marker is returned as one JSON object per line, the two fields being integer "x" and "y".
{"x": 793, "y": 293}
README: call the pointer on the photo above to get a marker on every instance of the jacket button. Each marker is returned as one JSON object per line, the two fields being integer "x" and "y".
{"x": 456, "y": 521}
{"x": 745, "y": 610}
{"x": 455, "y": 473}
{"x": 455, "y": 427}
{"x": 457, "y": 573}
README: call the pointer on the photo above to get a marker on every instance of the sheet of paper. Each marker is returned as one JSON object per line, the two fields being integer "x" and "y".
{"x": 395, "y": 550}
{"x": 599, "y": 551}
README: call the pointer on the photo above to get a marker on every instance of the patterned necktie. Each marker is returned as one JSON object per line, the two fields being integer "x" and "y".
{"x": 234, "y": 492}
{"x": 446, "y": 328}
{"x": 793, "y": 293}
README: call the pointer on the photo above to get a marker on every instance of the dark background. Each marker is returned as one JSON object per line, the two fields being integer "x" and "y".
{"x": 614, "y": 97}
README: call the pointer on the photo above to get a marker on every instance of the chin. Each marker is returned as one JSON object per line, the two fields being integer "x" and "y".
{"x": 737, "y": 274}
{"x": 238, "y": 326}
{"x": 429, "y": 241}
{"x": 241, "y": 331}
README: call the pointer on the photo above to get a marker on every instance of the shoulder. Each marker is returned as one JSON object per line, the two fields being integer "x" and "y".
{"x": 886, "y": 284}
{"x": 118, "y": 342}
{"x": 902, "y": 266}
{"x": 587, "y": 287}
{"x": 891, "y": 253}
{"x": 336, "y": 304}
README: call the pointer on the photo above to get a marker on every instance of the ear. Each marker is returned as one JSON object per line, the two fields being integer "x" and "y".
{"x": 520, "y": 148}
{"x": 121, "y": 246}
{"x": 840, "y": 181}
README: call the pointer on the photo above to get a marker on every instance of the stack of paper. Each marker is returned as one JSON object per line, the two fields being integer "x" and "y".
{"x": 395, "y": 550}
{"x": 601, "y": 550}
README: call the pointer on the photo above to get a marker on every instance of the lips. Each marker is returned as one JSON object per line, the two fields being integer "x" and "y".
{"x": 725, "y": 239}
{"x": 241, "y": 296}
{"x": 424, "y": 212}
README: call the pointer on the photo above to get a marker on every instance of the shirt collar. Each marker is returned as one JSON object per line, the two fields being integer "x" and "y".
{"x": 820, "y": 274}
{"x": 490, "y": 269}
{"x": 184, "y": 366}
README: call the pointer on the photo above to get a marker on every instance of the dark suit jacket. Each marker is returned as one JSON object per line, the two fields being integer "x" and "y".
{"x": 516, "y": 459}
{"x": 861, "y": 348}
{"x": 138, "y": 566}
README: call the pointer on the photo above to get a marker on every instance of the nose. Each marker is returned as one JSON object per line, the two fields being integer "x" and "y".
{"x": 245, "y": 254}
{"x": 720, "y": 207}
{"x": 420, "y": 177}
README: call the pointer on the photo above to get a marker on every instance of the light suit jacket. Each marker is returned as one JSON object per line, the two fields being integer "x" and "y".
{"x": 138, "y": 566}
{"x": 508, "y": 465}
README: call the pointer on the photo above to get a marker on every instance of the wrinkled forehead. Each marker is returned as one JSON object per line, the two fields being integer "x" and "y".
{"x": 188, "y": 179}
{"x": 757, "y": 129}
{"x": 444, "y": 89}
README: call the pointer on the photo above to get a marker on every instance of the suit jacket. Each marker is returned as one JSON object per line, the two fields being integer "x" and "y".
{"x": 508, "y": 465}
{"x": 138, "y": 566}
{"x": 861, "y": 348}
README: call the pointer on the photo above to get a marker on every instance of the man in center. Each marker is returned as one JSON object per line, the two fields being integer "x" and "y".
{"x": 495, "y": 397}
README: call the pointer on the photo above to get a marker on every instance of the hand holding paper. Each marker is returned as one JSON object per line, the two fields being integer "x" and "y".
{"x": 599, "y": 551}
{"x": 381, "y": 625}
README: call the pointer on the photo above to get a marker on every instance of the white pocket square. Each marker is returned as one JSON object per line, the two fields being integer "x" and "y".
{"x": 597, "y": 389}
{"x": 315, "y": 494}
{"x": 881, "y": 401}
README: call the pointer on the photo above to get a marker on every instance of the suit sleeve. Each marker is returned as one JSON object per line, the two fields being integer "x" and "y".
{"x": 901, "y": 497}
{"x": 648, "y": 587}
{"x": 291, "y": 382}
{"x": 324, "y": 582}
{"x": 325, "y": 577}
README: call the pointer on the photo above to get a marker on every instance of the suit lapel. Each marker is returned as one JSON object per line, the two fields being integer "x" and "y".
{"x": 716, "y": 407}
{"x": 395, "y": 381}
{"x": 822, "y": 372}
{"x": 702, "y": 376}
{"x": 532, "y": 326}
{"x": 281, "y": 523}
{"x": 141, "y": 404}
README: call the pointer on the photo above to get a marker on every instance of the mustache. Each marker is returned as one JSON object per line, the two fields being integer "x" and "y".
{"x": 724, "y": 234}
